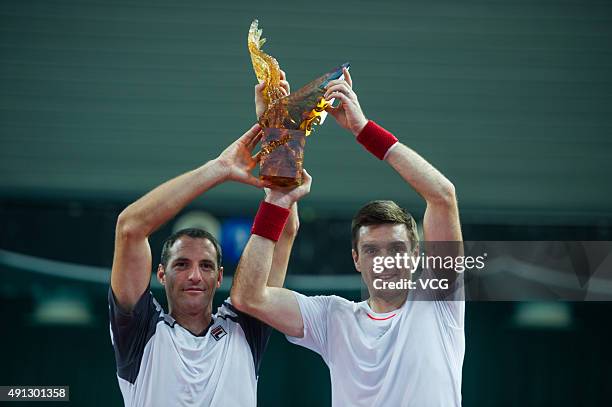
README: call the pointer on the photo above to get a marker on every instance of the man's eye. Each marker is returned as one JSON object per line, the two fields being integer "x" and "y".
{"x": 180, "y": 264}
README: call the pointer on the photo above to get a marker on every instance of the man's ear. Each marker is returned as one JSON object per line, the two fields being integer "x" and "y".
{"x": 220, "y": 277}
{"x": 161, "y": 274}
{"x": 356, "y": 260}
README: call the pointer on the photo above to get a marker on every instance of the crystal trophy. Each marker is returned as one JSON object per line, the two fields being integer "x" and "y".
{"x": 287, "y": 120}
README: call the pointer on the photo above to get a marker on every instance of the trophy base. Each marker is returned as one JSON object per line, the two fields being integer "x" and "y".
{"x": 282, "y": 157}
{"x": 283, "y": 182}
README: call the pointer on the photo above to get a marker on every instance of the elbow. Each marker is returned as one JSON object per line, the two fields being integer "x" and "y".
{"x": 446, "y": 195}
{"x": 242, "y": 301}
{"x": 237, "y": 300}
{"x": 450, "y": 195}
{"x": 127, "y": 227}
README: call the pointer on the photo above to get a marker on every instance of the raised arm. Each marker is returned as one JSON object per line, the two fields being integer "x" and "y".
{"x": 252, "y": 291}
{"x": 441, "y": 220}
{"x": 282, "y": 249}
{"x": 132, "y": 260}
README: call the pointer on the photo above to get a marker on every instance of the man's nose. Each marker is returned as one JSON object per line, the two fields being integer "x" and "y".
{"x": 195, "y": 275}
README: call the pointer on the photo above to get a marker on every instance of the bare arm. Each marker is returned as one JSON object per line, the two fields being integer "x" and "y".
{"x": 282, "y": 250}
{"x": 251, "y": 291}
{"x": 275, "y": 306}
{"x": 441, "y": 220}
{"x": 132, "y": 261}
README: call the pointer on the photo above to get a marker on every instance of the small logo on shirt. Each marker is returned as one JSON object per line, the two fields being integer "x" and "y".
{"x": 218, "y": 332}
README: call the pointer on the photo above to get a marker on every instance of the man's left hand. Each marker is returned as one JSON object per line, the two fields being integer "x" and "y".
{"x": 348, "y": 114}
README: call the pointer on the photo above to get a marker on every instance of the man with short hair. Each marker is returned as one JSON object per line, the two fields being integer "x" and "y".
{"x": 187, "y": 356}
{"x": 390, "y": 350}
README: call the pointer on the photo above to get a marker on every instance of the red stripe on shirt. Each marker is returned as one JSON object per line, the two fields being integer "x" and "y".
{"x": 381, "y": 319}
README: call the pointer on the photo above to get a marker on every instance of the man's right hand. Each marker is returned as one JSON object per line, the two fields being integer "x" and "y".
{"x": 286, "y": 197}
{"x": 236, "y": 162}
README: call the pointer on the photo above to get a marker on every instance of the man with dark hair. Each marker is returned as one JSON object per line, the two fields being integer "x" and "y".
{"x": 193, "y": 233}
{"x": 381, "y": 213}
{"x": 390, "y": 350}
{"x": 187, "y": 356}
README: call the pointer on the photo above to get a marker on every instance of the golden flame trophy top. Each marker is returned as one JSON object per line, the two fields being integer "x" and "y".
{"x": 298, "y": 111}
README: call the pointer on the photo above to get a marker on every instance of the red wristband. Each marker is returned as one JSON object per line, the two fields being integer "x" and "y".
{"x": 270, "y": 221}
{"x": 376, "y": 140}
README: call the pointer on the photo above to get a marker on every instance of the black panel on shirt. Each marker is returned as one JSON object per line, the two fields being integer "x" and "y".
{"x": 131, "y": 332}
{"x": 257, "y": 334}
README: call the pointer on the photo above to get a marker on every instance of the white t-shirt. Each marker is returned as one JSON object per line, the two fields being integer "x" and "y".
{"x": 408, "y": 357}
{"x": 160, "y": 363}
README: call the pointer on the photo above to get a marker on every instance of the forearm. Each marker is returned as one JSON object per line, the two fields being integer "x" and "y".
{"x": 282, "y": 250}
{"x": 264, "y": 261}
{"x": 427, "y": 181}
{"x": 441, "y": 219}
{"x": 252, "y": 274}
{"x": 276, "y": 306}
{"x": 251, "y": 291}
{"x": 161, "y": 204}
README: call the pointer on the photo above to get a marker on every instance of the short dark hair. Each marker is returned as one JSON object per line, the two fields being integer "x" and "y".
{"x": 194, "y": 233}
{"x": 380, "y": 213}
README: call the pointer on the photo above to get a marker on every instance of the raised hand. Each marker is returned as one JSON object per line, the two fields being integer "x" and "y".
{"x": 260, "y": 103}
{"x": 348, "y": 114}
{"x": 286, "y": 197}
{"x": 236, "y": 162}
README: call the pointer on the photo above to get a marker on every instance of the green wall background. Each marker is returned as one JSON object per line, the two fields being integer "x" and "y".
{"x": 510, "y": 99}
